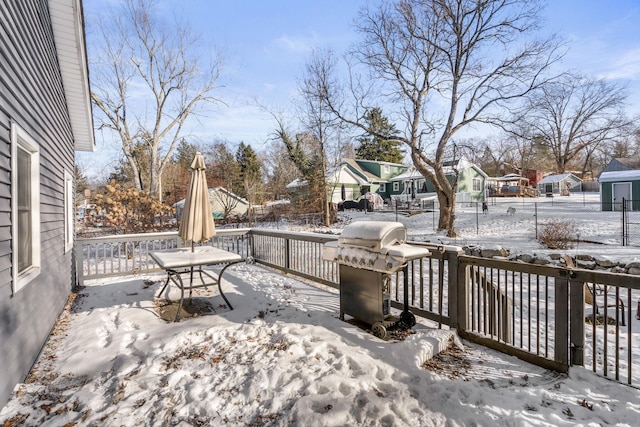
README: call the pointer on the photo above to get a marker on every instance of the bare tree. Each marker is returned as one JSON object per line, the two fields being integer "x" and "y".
{"x": 148, "y": 79}
{"x": 572, "y": 117}
{"x": 227, "y": 201}
{"x": 440, "y": 66}
{"x": 278, "y": 170}
{"x": 304, "y": 152}
{"x": 491, "y": 155}
{"x": 319, "y": 145}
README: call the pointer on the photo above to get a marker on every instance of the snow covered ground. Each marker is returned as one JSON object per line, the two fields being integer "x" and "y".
{"x": 600, "y": 233}
{"x": 282, "y": 357}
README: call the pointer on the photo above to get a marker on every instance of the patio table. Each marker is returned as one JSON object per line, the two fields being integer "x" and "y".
{"x": 180, "y": 261}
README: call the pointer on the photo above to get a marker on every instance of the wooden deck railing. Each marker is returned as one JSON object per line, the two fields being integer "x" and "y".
{"x": 534, "y": 312}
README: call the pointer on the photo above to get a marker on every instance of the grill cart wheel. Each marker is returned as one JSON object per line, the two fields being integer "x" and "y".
{"x": 379, "y": 331}
{"x": 408, "y": 319}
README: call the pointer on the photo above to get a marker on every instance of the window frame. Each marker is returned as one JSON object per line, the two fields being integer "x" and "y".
{"x": 473, "y": 184}
{"x": 21, "y": 140}
{"x": 69, "y": 211}
{"x": 396, "y": 185}
{"x": 382, "y": 188}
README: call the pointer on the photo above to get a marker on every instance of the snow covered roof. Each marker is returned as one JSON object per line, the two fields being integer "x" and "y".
{"x": 558, "y": 178}
{"x": 627, "y": 175}
{"x": 212, "y": 191}
{"x": 460, "y": 165}
{"x": 297, "y": 183}
{"x": 411, "y": 173}
{"x": 345, "y": 175}
{"x": 510, "y": 177}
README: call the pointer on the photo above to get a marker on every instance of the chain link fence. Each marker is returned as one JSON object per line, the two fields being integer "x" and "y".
{"x": 630, "y": 222}
{"x": 584, "y": 210}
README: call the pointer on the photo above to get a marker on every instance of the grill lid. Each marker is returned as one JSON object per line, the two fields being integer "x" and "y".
{"x": 373, "y": 235}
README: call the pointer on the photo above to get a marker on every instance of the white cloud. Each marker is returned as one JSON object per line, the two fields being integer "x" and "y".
{"x": 626, "y": 67}
{"x": 297, "y": 45}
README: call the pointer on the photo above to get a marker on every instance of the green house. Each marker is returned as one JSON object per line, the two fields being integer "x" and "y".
{"x": 373, "y": 175}
{"x": 412, "y": 185}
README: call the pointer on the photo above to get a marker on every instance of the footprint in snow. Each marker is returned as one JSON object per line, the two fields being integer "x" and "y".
{"x": 104, "y": 336}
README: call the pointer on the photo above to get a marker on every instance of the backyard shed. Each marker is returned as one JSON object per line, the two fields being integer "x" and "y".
{"x": 619, "y": 180}
{"x": 618, "y": 186}
{"x": 562, "y": 184}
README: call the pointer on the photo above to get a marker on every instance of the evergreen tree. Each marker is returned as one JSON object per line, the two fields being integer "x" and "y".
{"x": 185, "y": 153}
{"x": 222, "y": 167}
{"x": 380, "y": 144}
{"x": 250, "y": 176}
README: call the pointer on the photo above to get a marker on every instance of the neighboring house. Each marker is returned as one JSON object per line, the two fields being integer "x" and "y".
{"x": 360, "y": 177}
{"x": 534, "y": 176}
{"x": 619, "y": 180}
{"x": 352, "y": 179}
{"x": 562, "y": 184}
{"x": 345, "y": 183}
{"x": 222, "y": 202}
{"x": 412, "y": 185}
{"x": 45, "y": 114}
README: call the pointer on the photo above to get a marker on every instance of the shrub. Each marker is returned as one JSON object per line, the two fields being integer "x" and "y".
{"x": 128, "y": 210}
{"x": 558, "y": 234}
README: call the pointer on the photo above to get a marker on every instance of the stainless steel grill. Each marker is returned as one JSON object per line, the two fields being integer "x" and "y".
{"x": 368, "y": 252}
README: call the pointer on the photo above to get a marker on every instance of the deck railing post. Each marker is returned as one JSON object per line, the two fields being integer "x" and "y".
{"x": 576, "y": 319}
{"x": 457, "y": 288}
{"x": 561, "y": 292}
{"x": 287, "y": 253}
{"x": 79, "y": 255}
{"x": 251, "y": 245}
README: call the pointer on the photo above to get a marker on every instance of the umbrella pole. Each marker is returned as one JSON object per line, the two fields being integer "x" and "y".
{"x": 191, "y": 274}
{"x": 190, "y": 285}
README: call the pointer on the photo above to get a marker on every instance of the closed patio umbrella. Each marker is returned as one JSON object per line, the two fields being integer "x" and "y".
{"x": 197, "y": 221}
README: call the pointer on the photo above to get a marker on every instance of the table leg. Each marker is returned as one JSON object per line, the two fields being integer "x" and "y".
{"x": 220, "y": 287}
{"x": 181, "y": 299}
{"x": 218, "y": 280}
{"x": 191, "y": 282}
{"x": 165, "y": 284}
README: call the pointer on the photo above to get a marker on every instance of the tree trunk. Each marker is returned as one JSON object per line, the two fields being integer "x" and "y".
{"x": 135, "y": 171}
{"x": 447, "y": 212}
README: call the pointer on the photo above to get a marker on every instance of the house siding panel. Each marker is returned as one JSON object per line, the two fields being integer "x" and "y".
{"x": 32, "y": 96}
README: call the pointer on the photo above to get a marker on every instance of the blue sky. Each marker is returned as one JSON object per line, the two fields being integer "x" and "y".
{"x": 266, "y": 44}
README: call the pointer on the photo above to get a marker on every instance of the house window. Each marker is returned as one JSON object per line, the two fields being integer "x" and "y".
{"x": 383, "y": 188}
{"x": 477, "y": 185}
{"x": 68, "y": 211}
{"x": 25, "y": 207}
{"x": 396, "y": 186}
{"x": 386, "y": 168}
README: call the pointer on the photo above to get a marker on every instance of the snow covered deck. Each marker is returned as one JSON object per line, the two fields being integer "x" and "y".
{"x": 282, "y": 357}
